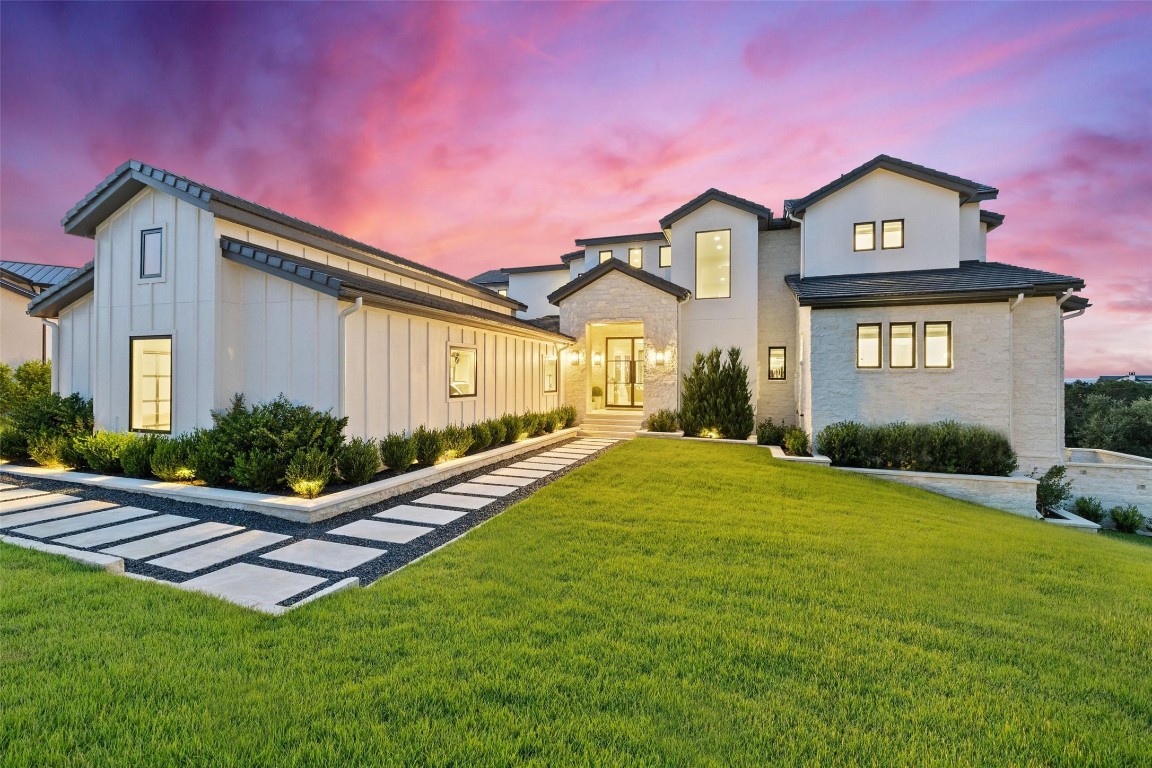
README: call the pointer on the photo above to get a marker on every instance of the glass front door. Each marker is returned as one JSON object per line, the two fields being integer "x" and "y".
{"x": 624, "y": 359}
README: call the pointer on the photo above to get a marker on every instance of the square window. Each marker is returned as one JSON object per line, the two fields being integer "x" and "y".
{"x": 865, "y": 236}
{"x": 777, "y": 363}
{"x": 714, "y": 264}
{"x": 665, "y": 255}
{"x": 151, "y": 253}
{"x": 902, "y": 345}
{"x": 551, "y": 371}
{"x": 937, "y": 345}
{"x": 150, "y": 384}
{"x": 461, "y": 371}
{"x": 892, "y": 234}
{"x": 502, "y": 291}
{"x": 868, "y": 345}
{"x": 605, "y": 255}
{"x": 636, "y": 257}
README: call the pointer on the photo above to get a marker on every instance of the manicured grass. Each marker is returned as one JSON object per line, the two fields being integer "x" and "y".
{"x": 668, "y": 604}
{"x": 1132, "y": 538}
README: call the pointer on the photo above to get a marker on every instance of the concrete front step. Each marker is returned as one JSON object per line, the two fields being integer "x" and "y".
{"x": 617, "y": 434}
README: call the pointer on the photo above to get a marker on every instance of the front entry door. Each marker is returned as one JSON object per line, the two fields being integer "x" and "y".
{"x": 624, "y": 359}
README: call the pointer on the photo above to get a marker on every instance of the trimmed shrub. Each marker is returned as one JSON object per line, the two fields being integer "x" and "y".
{"x": 497, "y": 430}
{"x": 795, "y": 442}
{"x": 569, "y": 414}
{"x": 210, "y": 456}
{"x": 260, "y": 470}
{"x": 398, "y": 451}
{"x": 49, "y": 450}
{"x": 309, "y": 472}
{"x": 513, "y": 428}
{"x": 1126, "y": 518}
{"x": 358, "y": 461}
{"x": 429, "y": 445}
{"x": 663, "y": 420}
{"x": 530, "y": 425}
{"x": 769, "y": 432}
{"x": 1088, "y": 508}
{"x": 30, "y": 379}
{"x": 12, "y": 445}
{"x": 715, "y": 400}
{"x": 945, "y": 446}
{"x": 170, "y": 460}
{"x": 102, "y": 451}
{"x": 557, "y": 419}
{"x": 50, "y": 414}
{"x": 1052, "y": 491}
{"x": 457, "y": 440}
{"x": 136, "y": 458}
{"x": 481, "y": 436}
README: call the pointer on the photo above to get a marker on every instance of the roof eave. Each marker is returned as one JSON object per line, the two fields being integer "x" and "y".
{"x": 616, "y": 265}
{"x": 930, "y": 297}
{"x": 50, "y": 302}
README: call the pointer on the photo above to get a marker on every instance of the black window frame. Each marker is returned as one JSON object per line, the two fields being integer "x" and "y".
{"x": 784, "y": 376}
{"x": 696, "y": 278}
{"x": 602, "y": 259}
{"x": 947, "y": 323}
{"x": 143, "y": 234}
{"x": 879, "y": 341}
{"x": 641, "y": 264}
{"x": 132, "y": 382}
{"x": 665, "y": 249}
{"x": 915, "y": 360}
{"x": 902, "y": 235}
{"x": 475, "y": 371}
{"x": 859, "y": 224}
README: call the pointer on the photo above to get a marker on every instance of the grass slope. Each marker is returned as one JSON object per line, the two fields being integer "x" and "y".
{"x": 670, "y": 603}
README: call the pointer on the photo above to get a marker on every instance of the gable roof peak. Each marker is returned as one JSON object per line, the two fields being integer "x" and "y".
{"x": 763, "y": 213}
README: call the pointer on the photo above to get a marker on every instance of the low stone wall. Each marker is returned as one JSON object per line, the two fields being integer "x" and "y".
{"x": 1013, "y": 494}
{"x": 1113, "y": 478}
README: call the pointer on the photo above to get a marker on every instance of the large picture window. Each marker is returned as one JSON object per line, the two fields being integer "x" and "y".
{"x": 868, "y": 346}
{"x": 152, "y": 253}
{"x": 777, "y": 363}
{"x": 714, "y": 264}
{"x": 937, "y": 345}
{"x": 665, "y": 255}
{"x": 461, "y": 371}
{"x": 902, "y": 345}
{"x": 150, "y": 384}
{"x": 551, "y": 369}
{"x": 636, "y": 257}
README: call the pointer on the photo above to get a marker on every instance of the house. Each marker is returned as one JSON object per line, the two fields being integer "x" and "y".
{"x": 871, "y": 298}
{"x": 195, "y": 294}
{"x": 22, "y": 337}
{"x": 1143, "y": 378}
{"x": 531, "y": 285}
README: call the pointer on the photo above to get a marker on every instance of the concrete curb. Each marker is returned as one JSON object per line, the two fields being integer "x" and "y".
{"x": 91, "y": 559}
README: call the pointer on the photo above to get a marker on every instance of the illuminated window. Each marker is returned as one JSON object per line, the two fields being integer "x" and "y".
{"x": 665, "y": 255}
{"x": 777, "y": 367}
{"x": 868, "y": 346}
{"x": 551, "y": 371}
{"x": 605, "y": 255}
{"x": 713, "y": 264}
{"x": 502, "y": 291}
{"x": 636, "y": 257}
{"x": 892, "y": 234}
{"x": 150, "y": 384}
{"x": 461, "y": 371}
{"x": 937, "y": 345}
{"x": 902, "y": 345}
{"x": 865, "y": 236}
{"x": 151, "y": 252}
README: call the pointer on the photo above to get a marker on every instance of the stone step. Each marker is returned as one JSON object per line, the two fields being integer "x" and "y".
{"x": 619, "y": 434}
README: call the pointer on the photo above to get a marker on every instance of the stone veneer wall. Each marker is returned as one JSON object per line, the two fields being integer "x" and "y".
{"x": 1038, "y": 383}
{"x": 779, "y": 256}
{"x": 1010, "y": 494}
{"x": 1113, "y": 478}
{"x": 618, "y": 298}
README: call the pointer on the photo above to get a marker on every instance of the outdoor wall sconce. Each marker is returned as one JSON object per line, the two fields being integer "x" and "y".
{"x": 660, "y": 357}
{"x": 576, "y": 357}
{"x": 597, "y": 359}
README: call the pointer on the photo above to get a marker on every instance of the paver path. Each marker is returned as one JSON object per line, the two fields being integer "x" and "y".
{"x": 269, "y": 570}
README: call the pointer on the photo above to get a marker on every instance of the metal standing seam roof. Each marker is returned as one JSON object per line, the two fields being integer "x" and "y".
{"x": 40, "y": 275}
{"x": 600, "y": 270}
{"x": 49, "y": 302}
{"x": 105, "y": 198}
{"x": 971, "y": 281}
{"x": 715, "y": 195}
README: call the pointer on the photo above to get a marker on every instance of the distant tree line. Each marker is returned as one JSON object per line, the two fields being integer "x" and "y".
{"x": 1111, "y": 415}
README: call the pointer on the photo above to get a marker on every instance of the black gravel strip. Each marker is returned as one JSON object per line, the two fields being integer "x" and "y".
{"x": 397, "y": 555}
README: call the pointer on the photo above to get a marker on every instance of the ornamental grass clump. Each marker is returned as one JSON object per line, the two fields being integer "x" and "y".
{"x": 398, "y": 451}
{"x": 309, "y": 472}
{"x": 429, "y": 445}
{"x": 102, "y": 450}
{"x": 358, "y": 461}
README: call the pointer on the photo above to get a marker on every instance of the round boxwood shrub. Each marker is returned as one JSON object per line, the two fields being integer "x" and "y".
{"x": 171, "y": 462}
{"x": 429, "y": 445}
{"x": 309, "y": 472}
{"x": 102, "y": 450}
{"x": 1088, "y": 508}
{"x": 358, "y": 461}
{"x": 136, "y": 458}
{"x": 1126, "y": 518}
{"x": 398, "y": 451}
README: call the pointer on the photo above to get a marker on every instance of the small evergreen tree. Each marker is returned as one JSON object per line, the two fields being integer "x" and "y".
{"x": 715, "y": 400}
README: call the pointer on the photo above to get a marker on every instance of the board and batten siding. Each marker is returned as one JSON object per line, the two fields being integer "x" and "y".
{"x": 72, "y": 368}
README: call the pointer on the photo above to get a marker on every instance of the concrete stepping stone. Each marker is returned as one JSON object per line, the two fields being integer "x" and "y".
{"x": 453, "y": 500}
{"x": 253, "y": 586}
{"x": 515, "y": 472}
{"x": 20, "y": 493}
{"x": 124, "y": 531}
{"x": 534, "y": 467}
{"x": 6, "y": 486}
{"x": 412, "y": 514}
{"x": 519, "y": 482}
{"x": 199, "y": 558}
{"x": 82, "y": 522}
{"x": 482, "y": 489}
{"x": 546, "y": 462}
{"x": 19, "y": 505}
{"x": 393, "y": 533}
{"x": 166, "y": 542}
{"x": 565, "y": 454}
{"x": 52, "y": 513}
{"x": 325, "y": 555}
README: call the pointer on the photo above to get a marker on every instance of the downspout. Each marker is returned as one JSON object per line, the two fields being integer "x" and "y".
{"x": 1064, "y": 297}
{"x": 55, "y": 326}
{"x": 342, "y": 351}
{"x": 801, "y": 223}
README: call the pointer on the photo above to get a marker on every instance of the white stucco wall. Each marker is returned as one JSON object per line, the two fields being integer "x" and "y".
{"x": 779, "y": 256}
{"x": 74, "y": 366}
{"x": 973, "y": 234}
{"x": 22, "y": 337}
{"x": 650, "y": 262}
{"x": 931, "y": 226}
{"x": 576, "y": 268}
{"x": 532, "y": 288}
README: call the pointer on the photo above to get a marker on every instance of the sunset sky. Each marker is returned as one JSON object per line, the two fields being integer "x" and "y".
{"x": 477, "y": 136}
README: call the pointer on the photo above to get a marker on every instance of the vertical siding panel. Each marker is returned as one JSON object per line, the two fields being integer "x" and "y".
{"x": 399, "y": 383}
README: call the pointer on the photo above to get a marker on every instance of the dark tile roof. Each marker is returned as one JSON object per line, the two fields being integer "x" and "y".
{"x": 572, "y": 256}
{"x": 350, "y": 286}
{"x": 968, "y": 189}
{"x": 610, "y": 265}
{"x": 971, "y": 281}
{"x": 715, "y": 195}
{"x": 39, "y": 275}
{"x": 491, "y": 277}
{"x": 1142, "y": 378}
{"x": 640, "y": 238}
{"x": 991, "y": 219}
{"x": 127, "y": 180}
{"x": 548, "y": 323}
{"x": 535, "y": 268}
{"x": 72, "y": 288}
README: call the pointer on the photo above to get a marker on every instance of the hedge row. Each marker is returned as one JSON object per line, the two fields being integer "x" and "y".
{"x": 945, "y": 446}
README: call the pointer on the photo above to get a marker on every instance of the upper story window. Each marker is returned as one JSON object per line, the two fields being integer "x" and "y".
{"x": 777, "y": 365}
{"x": 605, "y": 255}
{"x": 665, "y": 255}
{"x": 150, "y": 384}
{"x": 636, "y": 257}
{"x": 902, "y": 345}
{"x": 714, "y": 264}
{"x": 868, "y": 345}
{"x": 892, "y": 234}
{"x": 151, "y": 253}
{"x": 937, "y": 345}
{"x": 864, "y": 236}
{"x": 502, "y": 291}
{"x": 461, "y": 371}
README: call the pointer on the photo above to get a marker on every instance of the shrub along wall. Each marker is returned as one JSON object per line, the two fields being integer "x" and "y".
{"x": 945, "y": 446}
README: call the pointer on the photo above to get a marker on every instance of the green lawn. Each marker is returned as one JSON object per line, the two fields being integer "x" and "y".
{"x": 668, "y": 604}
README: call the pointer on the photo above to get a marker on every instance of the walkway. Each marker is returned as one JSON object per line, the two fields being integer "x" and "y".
{"x": 264, "y": 563}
